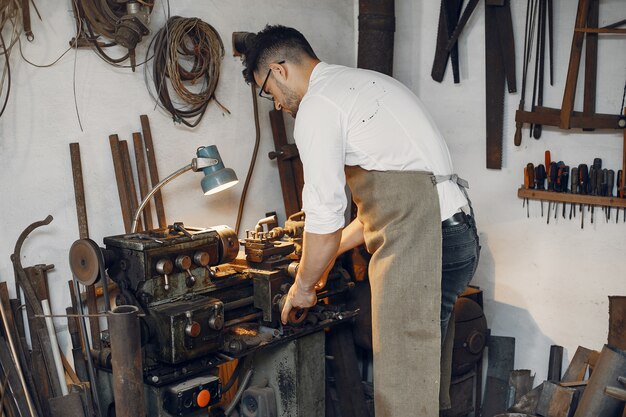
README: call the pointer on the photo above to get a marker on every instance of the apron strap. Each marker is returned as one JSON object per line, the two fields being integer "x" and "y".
{"x": 463, "y": 185}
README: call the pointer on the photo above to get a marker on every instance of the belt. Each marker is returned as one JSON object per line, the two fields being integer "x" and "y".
{"x": 455, "y": 220}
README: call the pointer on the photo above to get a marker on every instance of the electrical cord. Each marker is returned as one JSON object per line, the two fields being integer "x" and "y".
{"x": 8, "y": 71}
{"x": 187, "y": 55}
{"x": 9, "y": 12}
{"x": 99, "y": 18}
{"x": 255, "y": 152}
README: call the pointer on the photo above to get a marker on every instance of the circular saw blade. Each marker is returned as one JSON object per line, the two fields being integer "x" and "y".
{"x": 84, "y": 261}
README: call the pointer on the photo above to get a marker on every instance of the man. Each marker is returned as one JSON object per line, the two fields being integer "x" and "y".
{"x": 368, "y": 130}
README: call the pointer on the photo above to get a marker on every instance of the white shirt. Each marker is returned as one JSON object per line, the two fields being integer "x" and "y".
{"x": 363, "y": 118}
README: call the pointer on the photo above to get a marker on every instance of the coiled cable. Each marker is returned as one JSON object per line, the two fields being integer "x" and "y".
{"x": 187, "y": 57}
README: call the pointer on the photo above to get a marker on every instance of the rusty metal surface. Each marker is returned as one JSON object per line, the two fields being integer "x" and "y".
{"x": 557, "y": 401}
{"x": 377, "y": 25}
{"x": 522, "y": 382}
{"x": 501, "y": 359}
{"x": 555, "y": 363}
{"x": 595, "y": 402}
{"x": 126, "y": 361}
{"x": 578, "y": 365}
{"x": 617, "y": 322}
{"x": 470, "y": 335}
{"x": 528, "y": 403}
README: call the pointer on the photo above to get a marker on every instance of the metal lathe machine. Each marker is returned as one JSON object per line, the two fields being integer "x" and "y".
{"x": 201, "y": 302}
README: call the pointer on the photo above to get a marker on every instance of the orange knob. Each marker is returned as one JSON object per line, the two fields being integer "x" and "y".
{"x": 203, "y": 398}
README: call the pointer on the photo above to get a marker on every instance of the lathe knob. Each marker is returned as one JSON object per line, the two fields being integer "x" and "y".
{"x": 183, "y": 262}
{"x": 193, "y": 329}
{"x": 216, "y": 322}
{"x": 201, "y": 258}
{"x": 164, "y": 266}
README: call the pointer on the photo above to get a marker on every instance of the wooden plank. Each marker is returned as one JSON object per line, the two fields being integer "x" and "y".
{"x": 551, "y": 117}
{"x": 574, "y": 65}
{"x": 591, "y": 61}
{"x": 142, "y": 177}
{"x": 571, "y": 198}
{"x": 79, "y": 190}
{"x": 601, "y": 30}
{"x": 286, "y": 156}
{"x": 154, "y": 172}
{"x": 129, "y": 181}
{"x": 118, "y": 166}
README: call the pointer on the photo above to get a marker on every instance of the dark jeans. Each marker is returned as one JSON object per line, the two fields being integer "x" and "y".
{"x": 461, "y": 251}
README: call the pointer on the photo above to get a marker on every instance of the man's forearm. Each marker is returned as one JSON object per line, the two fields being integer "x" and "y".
{"x": 351, "y": 237}
{"x": 318, "y": 252}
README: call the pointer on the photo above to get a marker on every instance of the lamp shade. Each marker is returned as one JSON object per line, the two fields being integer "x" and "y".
{"x": 216, "y": 177}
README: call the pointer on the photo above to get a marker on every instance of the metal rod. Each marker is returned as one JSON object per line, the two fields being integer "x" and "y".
{"x": 90, "y": 368}
{"x": 9, "y": 335}
{"x": 156, "y": 188}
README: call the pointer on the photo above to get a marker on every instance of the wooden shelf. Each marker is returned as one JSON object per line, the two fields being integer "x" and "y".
{"x": 571, "y": 198}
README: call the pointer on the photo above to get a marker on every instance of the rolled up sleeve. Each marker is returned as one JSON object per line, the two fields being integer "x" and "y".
{"x": 319, "y": 135}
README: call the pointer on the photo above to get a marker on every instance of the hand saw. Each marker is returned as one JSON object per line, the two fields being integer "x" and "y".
{"x": 451, "y": 23}
{"x": 500, "y": 67}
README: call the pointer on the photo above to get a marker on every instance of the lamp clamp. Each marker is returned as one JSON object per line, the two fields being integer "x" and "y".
{"x": 200, "y": 163}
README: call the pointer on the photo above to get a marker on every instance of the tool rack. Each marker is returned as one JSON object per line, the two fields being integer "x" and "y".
{"x": 586, "y": 199}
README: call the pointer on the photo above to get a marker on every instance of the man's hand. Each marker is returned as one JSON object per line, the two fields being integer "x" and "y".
{"x": 297, "y": 297}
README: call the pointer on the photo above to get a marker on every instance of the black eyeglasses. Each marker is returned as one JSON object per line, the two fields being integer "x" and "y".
{"x": 267, "y": 77}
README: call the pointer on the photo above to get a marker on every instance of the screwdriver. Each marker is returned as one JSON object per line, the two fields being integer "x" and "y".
{"x": 557, "y": 184}
{"x": 603, "y": 189}
{"x": 564, "y": 180}
{"x": 573, "y": 190}
{"x": 596, "y": 182}
{"x": 610, "y": 183}
{"x": 583, "y": 179}
{"x": 552, "y": 176}
{"x": 619, "y": 193}
{"x": 527, "y": 186}
{"x": 540, "y": 179}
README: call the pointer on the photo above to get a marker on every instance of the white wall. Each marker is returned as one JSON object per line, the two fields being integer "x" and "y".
{"x": 543, "y": 284}
{"x": 40, "y": 122}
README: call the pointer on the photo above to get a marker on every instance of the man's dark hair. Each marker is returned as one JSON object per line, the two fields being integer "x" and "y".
{"x": 273, "y": 44}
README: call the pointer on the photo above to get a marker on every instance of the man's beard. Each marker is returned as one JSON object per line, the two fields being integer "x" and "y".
{"x": 292, "y": 101}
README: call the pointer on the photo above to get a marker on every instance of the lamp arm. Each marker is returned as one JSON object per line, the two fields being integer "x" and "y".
{"x": 156, "y": 188}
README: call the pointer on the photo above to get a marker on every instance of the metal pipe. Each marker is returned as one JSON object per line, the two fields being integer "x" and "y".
{"x": 54, "y": 343}
{"x": 377, "y": 24}
{"x": 595, "y": 401}
{"x": 239, "y": 393}
{"x": 239, "y": 303}
{"x": 90, "y": 369}
{"x": 243, "y": 319}
{"x": 124, "y": 331}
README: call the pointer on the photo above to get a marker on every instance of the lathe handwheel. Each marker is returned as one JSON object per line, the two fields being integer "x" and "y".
{"x": 84, "y": 261}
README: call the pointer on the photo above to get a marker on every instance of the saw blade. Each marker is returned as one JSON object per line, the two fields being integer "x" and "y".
{"x": 494, "y": 83}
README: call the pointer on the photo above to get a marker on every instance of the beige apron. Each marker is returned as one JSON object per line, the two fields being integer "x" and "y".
{"x": 402, "y": 228}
